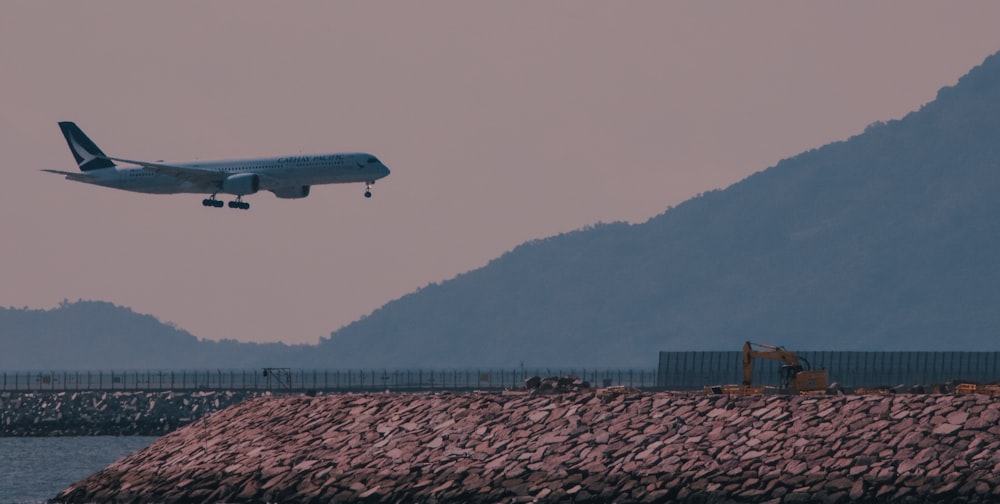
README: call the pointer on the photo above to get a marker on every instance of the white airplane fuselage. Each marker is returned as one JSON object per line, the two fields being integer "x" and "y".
{"x": 274, "y": 173}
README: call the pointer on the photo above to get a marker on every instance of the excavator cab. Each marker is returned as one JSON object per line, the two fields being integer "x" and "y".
{"x": 788, "y": 372}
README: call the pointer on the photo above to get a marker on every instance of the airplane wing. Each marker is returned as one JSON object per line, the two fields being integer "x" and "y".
{"x": 77, "y": 176}
{"x": 195, "y": 175}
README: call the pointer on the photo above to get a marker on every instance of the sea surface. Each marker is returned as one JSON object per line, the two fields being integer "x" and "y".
{"x": 35, "y": 469}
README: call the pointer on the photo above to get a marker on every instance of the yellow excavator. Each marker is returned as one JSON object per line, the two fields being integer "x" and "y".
{"x": 794, "y": 376}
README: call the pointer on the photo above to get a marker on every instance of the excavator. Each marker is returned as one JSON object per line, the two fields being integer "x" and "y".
{"x": 794, "y": 376}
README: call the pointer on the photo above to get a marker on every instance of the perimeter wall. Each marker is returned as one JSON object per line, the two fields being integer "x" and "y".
{"x": 695, "y": 370}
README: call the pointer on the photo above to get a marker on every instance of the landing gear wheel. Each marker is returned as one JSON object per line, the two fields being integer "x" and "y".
{"x": 368, "y": 194}
{"x": 368, "y": 188}
{"x": 238, "y": 203}
{"x": 211, "y": 202}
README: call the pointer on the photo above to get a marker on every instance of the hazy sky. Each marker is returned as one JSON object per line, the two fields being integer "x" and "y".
{"x": 502, "y": 122}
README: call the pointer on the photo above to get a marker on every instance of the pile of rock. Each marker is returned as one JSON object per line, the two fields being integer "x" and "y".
{"x": 649, "y": 447}
{"x": 556, "y": 384}
{"x": 119, "y": 413}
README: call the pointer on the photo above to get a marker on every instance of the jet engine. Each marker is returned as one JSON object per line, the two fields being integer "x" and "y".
{"x": 292, "y": 192}
{"x": 241, "y": 184}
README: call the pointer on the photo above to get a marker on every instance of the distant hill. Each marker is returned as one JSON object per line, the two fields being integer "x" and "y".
{"x": 89, "y": 335}
{"x": 889, "y": 240}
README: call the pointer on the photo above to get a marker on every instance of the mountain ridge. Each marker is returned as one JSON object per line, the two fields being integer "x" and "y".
{"x": 836, "y": 242}
{"x": 86, "y": 335}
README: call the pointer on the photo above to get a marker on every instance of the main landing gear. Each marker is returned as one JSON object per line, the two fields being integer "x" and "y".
{"x": 368, "y": 188}
{"x": 211, "y": 202}
{"x": 238, "y": 203}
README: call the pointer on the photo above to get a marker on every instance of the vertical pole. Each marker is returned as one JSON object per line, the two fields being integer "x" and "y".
{"x": 701, "y": 365}
{"x": 905, "y": 368}
{"x": 882, "y": 369}
{"x": 888, "y": 364}
{"x": 866, "y": 366}
{"x": 982, "y": 359}
{"x": 934, "y": 374}
{"x": 933, "y": 367}
{"x": 919, "y": 365}
{"x": 887, "y": 369}
{"x": 851, "y": 368}
{"x": 979, "y": 367}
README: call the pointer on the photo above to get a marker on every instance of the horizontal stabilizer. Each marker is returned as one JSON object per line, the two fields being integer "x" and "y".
{"x": 79, "y": 177}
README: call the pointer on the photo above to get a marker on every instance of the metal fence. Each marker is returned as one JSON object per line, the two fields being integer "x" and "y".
{"x": 312, "y": 380}
{"x": 694, "y": 370}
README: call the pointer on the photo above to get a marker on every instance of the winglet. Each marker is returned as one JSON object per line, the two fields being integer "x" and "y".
{"x": 87, "y": 154}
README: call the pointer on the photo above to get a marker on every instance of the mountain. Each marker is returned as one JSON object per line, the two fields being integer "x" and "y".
{"x": 888, "y": 240}
{"x": 88, "y": 335}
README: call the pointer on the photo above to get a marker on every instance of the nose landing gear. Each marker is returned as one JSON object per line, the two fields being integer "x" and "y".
{"x": 368, "y": 188}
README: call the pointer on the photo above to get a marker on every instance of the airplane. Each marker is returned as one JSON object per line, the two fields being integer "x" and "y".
{"x": 286, "y": 177}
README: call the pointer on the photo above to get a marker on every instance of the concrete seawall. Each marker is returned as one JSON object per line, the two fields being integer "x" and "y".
{"x": 114, "y": 413}
{"x": 583, "y": 447}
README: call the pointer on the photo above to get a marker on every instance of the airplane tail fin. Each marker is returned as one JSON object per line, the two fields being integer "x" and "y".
{"x": 87, "y": 154}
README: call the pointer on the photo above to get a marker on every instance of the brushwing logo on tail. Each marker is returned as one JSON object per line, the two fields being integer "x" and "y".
{"x": 82, "y": 156}
{"x": 88, "y": 155}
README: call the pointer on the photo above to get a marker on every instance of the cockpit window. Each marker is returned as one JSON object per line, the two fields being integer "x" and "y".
{"x": 372, "y": 160}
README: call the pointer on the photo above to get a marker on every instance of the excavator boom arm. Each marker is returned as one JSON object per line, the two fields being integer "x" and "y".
{"x": 771, "y": 353}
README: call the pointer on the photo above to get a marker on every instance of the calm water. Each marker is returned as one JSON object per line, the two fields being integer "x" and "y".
{"x": 33, "y": 469}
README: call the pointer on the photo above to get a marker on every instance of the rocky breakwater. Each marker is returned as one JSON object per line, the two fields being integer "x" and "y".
{"x": 584, "y": 447}
{"x": 117, "y": 413}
